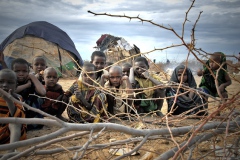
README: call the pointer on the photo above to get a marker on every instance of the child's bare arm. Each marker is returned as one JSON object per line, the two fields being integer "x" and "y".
{"x": 10, "y": 104}
{"x": 103, "y": 79}
{"x": 131, "y": 76}
{"x": 38, "y": 86}
{"x": 128, "y": 85}
{"x": 148, "y": 76}
{"x": 15, "y": 132}
{"x": 24, "y": 86}
{"x": 227, "y": 83}
{"x": 83, "y": 100}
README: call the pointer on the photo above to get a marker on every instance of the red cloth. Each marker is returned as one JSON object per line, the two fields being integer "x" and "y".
{"x": 99, "y": 41}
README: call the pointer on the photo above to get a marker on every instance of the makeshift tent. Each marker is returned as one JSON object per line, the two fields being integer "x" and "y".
{"x": 43, "y": 39}
{"x": 117, "y": 48}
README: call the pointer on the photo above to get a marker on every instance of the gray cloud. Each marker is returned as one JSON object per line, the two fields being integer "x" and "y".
{"x": 217, "y": 29}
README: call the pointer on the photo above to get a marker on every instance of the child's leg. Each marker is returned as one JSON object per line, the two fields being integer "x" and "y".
{"x": 159, "y": 93}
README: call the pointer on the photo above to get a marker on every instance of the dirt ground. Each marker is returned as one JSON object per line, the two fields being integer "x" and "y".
{"x": 156, "y": 147}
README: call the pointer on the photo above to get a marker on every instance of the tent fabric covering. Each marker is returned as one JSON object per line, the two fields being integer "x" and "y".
{"x": 116, "y": 48}
{"x": 43, "y": 39}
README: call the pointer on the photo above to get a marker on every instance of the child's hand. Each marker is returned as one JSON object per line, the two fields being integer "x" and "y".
{"x": 31, "y": 76}
{"x": 221, "y": 88}
{"x": 78, "y": 95}
{"x": 123, "y": 79}
{"x": 200, "y": 72}
{"x": 146, "y": 74}
{"x": 105, "y": 76}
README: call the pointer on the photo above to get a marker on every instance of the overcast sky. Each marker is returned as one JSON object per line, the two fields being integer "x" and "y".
{"x": 217, "y": 30}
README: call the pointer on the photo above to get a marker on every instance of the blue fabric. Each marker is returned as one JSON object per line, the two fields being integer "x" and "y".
{"x": 46, "y": 31}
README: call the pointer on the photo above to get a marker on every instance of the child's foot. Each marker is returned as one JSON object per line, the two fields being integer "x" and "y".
{"x": 62, "y": 118}
{"x": 160, "y": 114}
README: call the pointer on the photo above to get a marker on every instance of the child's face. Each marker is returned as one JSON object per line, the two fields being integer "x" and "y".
{"x": 50, "y": 78}
{"x": 214, "y": 62}
{"x": 22, "y": 71}
{"x": 8, "y": 81}
{"x": 86, "y": 77}
{"x": 140, "y": 67}
{"x": 180, "y": 74}
{"x": 99, "y": 62}
{"x": 39, "y": 64}
{"x": 115, "y": 77}
{"x": 126, "y": 70}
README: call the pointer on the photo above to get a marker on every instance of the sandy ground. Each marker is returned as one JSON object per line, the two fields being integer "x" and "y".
{"x": 159, "y": 145}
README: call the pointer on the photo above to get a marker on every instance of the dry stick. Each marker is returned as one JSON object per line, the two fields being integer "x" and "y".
{"x": 32, "y": 141}
{"x": 27, "y": 152}
{"x": 191, "y": 152}
{"x": 97, "y": 146}
{"x": 197, "y": 139}
{"x": 186, "y": 18}
{"x": 115, "y": 127}
{"x": 198, "y": 129}
{"x": 135, "y": 149}
{"x": 216, "y": 82}
{"x": 85, "y": 146}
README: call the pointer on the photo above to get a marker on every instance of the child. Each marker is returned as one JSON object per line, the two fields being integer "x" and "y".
{"x": 89, "y": 104}
{"x": 108, "y": 65}
{"x": 53, "y": 91}
{"x": 39, "y": 65}
{"x": 121, "y": 86}
{"x": 141, "y": 78}
{"x": 10, "y": 132}
{"x": 28, "y": 84}
{"x": 126, "y": 69}
{"x": 208, "y": 82}
{"x": 185, "y": 101}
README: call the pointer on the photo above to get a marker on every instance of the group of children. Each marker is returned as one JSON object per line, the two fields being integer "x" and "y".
{"x": 187, "y": 100}
{"x": 99, "y": 94}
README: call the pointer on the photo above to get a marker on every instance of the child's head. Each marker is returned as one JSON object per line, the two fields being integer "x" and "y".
{"x": 8, "y": 80}
{"x": 108, "y": 64}
{"x": 215, "y": 60}
{"x": 50, "y": 77}
{"x": 140, "y": 65}
{"x": 21, "y": 68}
{"x": 98, "y": 58}
{"x": 88, "y": 77}
{"x": 39, "y": 64}
{"x": 126, "y": 69}
{"x": 115, "y": 75}
{"x": 182, "y": 73}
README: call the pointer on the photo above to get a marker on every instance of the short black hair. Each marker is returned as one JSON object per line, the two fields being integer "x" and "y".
{"x": 20, "y": 61}
{"x": 88, "y": 64}
{"x": 97, "y": 53}
{"x": 9, "y": 71}
{"x": 141, "y": 59}
{"x": 126, "y": 65}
